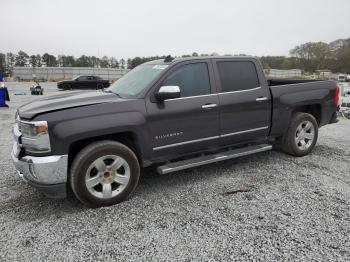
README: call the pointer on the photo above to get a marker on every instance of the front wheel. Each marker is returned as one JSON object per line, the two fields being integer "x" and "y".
{"x": 301, "y": 136}
{"x": 104, "y": 173}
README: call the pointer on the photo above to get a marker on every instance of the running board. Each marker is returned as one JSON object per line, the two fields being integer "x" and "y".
{"x": 207, "y": 159}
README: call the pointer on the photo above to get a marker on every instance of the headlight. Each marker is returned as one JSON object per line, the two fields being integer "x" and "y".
{"x": 35, "y": 136}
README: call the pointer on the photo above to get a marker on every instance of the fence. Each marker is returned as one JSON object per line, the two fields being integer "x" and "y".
{"x": 276, "y": 73}
{"x": 65, "y": 73}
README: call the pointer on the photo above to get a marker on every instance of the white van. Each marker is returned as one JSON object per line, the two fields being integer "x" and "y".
{"x": 341, "y": 78}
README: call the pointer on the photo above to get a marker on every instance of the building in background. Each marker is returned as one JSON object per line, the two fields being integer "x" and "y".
{"x": 64, "y": 73}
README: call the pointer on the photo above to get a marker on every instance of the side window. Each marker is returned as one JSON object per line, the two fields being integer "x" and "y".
{"x": 83, "y": 78}
{"x": 235, "y": 76}
{"x": 193, "y": 79}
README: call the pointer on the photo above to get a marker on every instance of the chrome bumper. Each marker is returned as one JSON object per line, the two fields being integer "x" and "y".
{"x": 48, "y": 174}
{"x": 44, "y": 170}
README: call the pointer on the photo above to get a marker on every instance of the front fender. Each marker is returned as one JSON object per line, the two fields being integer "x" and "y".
{"x": 68, "y": 132}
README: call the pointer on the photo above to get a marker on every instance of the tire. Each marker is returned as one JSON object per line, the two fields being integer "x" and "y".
{"x": 301, "y": 136}
{"x": 93, "y": 179}
{"x": 99, "y": 86}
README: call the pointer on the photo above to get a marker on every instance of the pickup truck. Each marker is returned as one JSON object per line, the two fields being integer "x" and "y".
{"x": 83, "y": 82}
{"x": 170, "y": 114}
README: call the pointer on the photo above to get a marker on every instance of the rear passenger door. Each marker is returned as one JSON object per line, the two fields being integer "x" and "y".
{"x": 245, "y": 104}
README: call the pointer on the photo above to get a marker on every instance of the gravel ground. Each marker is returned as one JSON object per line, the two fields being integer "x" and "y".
{"x": 294, "y": 209}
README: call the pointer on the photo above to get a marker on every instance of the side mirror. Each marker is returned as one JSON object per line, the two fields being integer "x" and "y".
{"x": 167, "y": 92}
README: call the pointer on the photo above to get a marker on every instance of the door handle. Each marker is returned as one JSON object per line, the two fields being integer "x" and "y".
{"x": 208, "y": 106}
{"x": 261, "y": 99}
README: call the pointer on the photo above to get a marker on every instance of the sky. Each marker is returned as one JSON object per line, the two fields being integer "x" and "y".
{"x": 132, "y": 28}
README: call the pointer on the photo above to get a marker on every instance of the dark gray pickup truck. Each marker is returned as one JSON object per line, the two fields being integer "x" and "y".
{"x": 171, "y": 114}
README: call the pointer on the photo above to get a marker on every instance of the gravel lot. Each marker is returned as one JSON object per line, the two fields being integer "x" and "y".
{"x": 290, "y": 209}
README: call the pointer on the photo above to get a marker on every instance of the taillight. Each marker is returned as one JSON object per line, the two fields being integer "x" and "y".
{"x": 337, "y": 96}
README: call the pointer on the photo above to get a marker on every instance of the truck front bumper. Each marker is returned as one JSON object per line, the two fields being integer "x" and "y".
{"x": 47, "y": 174}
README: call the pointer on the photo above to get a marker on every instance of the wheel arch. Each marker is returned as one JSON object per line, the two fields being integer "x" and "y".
{"x": 128, "y": 139}
{"x": 314, "y": 109}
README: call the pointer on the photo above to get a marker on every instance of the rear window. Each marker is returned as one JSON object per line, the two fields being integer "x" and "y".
{"x": 237, "y": 75}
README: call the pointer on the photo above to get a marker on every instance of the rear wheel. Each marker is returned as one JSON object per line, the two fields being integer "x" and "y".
{"x": 301, "y": 136}
{"x": 104, "y": 173}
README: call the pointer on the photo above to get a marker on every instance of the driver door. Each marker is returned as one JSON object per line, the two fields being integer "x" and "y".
{"x": 189, "y": 123}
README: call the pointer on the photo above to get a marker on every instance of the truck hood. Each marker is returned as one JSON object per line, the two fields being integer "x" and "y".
{"x": 64, "y": 101}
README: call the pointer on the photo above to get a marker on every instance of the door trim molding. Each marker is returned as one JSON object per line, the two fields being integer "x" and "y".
{"x": 186, "y": 142}
{"x": 209, "y": 138}
{"x": 245, "y": 131}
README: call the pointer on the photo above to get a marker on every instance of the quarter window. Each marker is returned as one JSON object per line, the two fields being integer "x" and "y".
{"x": 193, "y": 79}
{"x": 237, "y": 75}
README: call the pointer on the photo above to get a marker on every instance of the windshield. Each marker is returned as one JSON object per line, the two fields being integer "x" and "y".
{"x": 134, "y": 82}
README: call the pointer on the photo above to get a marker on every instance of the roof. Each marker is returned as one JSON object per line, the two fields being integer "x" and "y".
{"x": 191, "y": 58}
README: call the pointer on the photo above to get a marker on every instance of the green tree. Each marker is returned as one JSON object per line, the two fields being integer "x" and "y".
{"x": 313, "y": 56}
{"x": 39, "y": 61}
{"x": 10, "y": 62}
{"x": 33, "y": 61}
{"x": 113, "y": 62}
{"x": 2, "y": 64}
{"x": 95, "y": 61}
{"x": 135, "y": 62}
{"x": 122, "y": 63}
{"x": 104, "y": 62}
{"x": 66, "y": 61}
{"x": 83, "y": 61}
{"x": 49, "y": 60}
{"x": 21, "y": 59}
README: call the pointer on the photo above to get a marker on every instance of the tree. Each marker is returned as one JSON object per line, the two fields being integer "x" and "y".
{"x": 104, "y": 62}
{"x": 66, "y": 61}
{"x": 39, "y": 62}
{"x": 128, "y": 62}
{"x": 21, "y": 59}
{"x": 135, "y": 62}
{"x": 113, "y": 62}
{"x": 33, "y": 61}
{"x": 95, "y": 61}
{"x": 313, "y": 56}
{"x": 194, "y": 54}
{"x": 49, "y": 60}
{"x": 2, "y": 64}
{"x": 83, "y": 61}
{"x": 122, "y": 63}
{"x": 10, "y": 62}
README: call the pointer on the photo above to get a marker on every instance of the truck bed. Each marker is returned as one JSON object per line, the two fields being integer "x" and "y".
{"x": 290, "y": 94}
